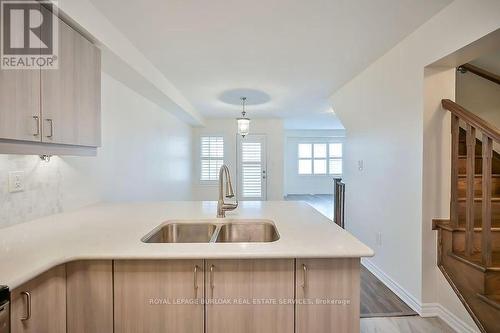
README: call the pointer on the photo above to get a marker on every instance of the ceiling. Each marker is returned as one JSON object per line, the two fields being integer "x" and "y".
{"x": 295, "y": 52}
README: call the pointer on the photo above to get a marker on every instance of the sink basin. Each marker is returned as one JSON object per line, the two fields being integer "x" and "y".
{"x": 181, "y": 233}
{"x": 214, "y": 231}
{"x": 252, "y": 232}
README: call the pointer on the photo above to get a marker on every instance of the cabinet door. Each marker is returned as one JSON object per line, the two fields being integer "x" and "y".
{"x": 71, "y": 94}
{"x": 20, "y": 102}
{"x": 39, "y": 306}
{"x": 158, "y": 296}
{"x": 248, "y": 296}
{"x": 89, "y": 288}
{"x": 328, "y": 295}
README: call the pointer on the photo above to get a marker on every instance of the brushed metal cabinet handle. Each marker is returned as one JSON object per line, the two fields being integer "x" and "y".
{"x": 195, "y": 280}
{"x": 212, "y": 278}
{"x": 37, "y": 119}
{"x": 28, "y": 305}
{"x": 51, "y": 123}
{"x": 304, "y": 272}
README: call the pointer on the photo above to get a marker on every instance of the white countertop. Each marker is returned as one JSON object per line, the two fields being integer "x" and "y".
{"x": 114, "y": 231}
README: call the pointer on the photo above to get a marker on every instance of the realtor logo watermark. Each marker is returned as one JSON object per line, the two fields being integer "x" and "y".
{"x": 29, "y": 36}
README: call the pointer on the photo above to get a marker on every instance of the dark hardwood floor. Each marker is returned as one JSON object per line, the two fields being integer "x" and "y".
{"x": 376, "y": 299}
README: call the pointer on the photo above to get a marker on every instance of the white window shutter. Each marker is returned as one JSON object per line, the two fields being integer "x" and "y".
{"x": 212, "y": 157}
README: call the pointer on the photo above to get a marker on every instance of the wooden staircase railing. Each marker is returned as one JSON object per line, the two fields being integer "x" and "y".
{"x": 480, "y": 72}
{"x": 474, "y": 126}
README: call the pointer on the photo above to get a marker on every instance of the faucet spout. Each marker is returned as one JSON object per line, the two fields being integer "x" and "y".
{"x": 222, "y": 206}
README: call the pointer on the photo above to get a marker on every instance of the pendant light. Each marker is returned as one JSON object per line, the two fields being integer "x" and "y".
{"x": 243, "y": 122}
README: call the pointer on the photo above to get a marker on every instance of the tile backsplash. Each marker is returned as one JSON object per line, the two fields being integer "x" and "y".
{"x": 50, "y": 187}
{"x": 145, "y": 156}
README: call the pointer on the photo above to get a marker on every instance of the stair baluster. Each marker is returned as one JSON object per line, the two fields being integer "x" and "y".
{"x": 468, "y": 243}
{"x": 471, "y": 167}
{"x": 486, "y": 248}
{"x": 455, "y": 132}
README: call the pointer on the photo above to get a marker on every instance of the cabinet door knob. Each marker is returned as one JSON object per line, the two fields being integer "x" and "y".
{"x": 51, "y": 126}
{"x": 37, "y": 132}
{"x": 28, "y": 305}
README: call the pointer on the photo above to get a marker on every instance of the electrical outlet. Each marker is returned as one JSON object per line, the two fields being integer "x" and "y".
{"x": 361, "y": 165}
{"x": 16, "y": 181}
{"x": 379, "y": 239}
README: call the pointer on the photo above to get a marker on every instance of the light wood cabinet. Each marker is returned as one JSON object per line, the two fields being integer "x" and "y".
{"x": 20, "y": 105}
{"x": 323, "y": 289}
{"x": 255, "y": 290}
{"x": 158, "y": 296}
{"x": 89, "y": 288}
{"x": 54, "y": 111}
{"x": 41, "y": 300}
{"x": 71, "y": 94}
{"x": 20, "y": 102}
{"x": 191, "y": 296}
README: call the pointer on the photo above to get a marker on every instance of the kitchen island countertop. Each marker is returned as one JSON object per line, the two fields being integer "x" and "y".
{"x": 114, "y": 231}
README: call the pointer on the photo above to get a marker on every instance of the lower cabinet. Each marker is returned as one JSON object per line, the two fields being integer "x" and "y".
{"x": 39, "y": 306}
{"x": 191, "y": 296}
{"x": 328, "y": 295}
{"x": 250, "y": 296}
{"x": 89, "y": 288}
{"x": 159, "y": 296}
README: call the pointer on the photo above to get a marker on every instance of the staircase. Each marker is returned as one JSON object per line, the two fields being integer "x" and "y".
{"x": 469, "y": 242}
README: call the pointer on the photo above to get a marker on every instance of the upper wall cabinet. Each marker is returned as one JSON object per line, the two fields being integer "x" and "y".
{"x": 19, "y": 101}
{"x": 54, "y": 111}
{"x": 20, "y": 105}
{"x": 71, "y": 95}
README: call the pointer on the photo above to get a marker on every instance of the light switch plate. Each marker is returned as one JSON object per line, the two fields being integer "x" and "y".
{"x": 361, "y": 165}
{"x": 16, "y": 181}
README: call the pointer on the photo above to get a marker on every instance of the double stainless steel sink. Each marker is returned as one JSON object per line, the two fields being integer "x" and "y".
{"x": 231, "y": 231}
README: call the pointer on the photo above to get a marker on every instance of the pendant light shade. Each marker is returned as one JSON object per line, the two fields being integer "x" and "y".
{"x": 243, "y": 126}
{"x": 243, "y": 122}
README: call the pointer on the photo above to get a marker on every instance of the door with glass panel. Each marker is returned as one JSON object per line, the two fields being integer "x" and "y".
{"x": 252, "y": 173}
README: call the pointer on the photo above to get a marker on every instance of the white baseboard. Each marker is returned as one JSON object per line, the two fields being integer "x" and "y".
{"x": 408, "y": 298}
{"x": 437, "y": 310}
{"x": 423, "y": 309}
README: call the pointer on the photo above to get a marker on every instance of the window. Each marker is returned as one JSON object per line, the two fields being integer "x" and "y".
{"x": 320, "y": 158}
{"x": 212, "y": 157}
{"x": 335, "y": 161}
{"x": 305, "y": 158}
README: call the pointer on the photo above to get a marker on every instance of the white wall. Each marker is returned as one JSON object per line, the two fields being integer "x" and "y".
{"x": 226, "y": 127}
{"x": 146, "y": 155}
{"x": 479, "y": 96}
{"x": 307, "y": 184}
{"x": 382, "y": 110}
{"x": 439, "y": 83}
